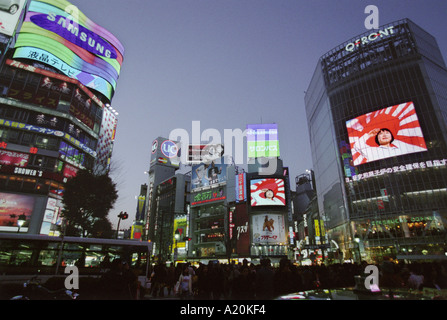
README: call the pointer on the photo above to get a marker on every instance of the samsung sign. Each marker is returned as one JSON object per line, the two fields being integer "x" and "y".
{"x": 367, "y": 39}
{"x": 75, "y": 33}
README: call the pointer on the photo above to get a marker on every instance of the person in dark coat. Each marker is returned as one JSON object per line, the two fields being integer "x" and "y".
{"x": 265, "y": 278}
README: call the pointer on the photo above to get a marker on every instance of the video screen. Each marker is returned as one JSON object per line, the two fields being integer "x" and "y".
{"x": 267, "y": 192}
{"x": 385, "y": 133}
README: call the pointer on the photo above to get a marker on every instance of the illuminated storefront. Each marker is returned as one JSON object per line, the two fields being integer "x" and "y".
{"x": 379, "y": 144}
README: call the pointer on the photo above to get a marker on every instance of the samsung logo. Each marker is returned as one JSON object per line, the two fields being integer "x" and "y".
{"x": 75, "y": 33}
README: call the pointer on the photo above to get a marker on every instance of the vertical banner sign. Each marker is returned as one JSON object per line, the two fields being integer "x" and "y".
{"x": 240, "y": 187}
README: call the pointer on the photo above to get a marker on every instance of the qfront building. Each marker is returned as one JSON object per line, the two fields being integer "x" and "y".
{"x": 58, "y": 75}
{"x": 377, "y": 114}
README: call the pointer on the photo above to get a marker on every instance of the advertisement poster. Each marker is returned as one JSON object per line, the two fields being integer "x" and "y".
{"x": 267, "y": 192}
{"x": 385, "y": 133}
{"x": 268, "y": 228}
{"x": 13, "y": 158}
{"x": 14, "y": 205}
{"x": 10, "y": 12}
{"x": 204, "y": 175}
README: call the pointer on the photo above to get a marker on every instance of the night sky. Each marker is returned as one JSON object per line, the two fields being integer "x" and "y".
{"x": 227, "y": 63}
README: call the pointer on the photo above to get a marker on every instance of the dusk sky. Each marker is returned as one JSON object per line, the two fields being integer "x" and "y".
{"x": 227, "y": 63}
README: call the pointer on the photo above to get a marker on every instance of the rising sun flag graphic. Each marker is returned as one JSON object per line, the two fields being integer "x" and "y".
{"x": 400, "y": 120}
{"x": 261, "y": 196}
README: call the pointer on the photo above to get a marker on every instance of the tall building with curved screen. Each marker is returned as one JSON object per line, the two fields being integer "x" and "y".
{"x": 58, "y": 75}
{"x": 377, "y": 114}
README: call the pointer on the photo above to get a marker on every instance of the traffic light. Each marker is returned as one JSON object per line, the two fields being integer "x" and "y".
{"x": 187, "y": 239}
{"x": 123, "y": 215}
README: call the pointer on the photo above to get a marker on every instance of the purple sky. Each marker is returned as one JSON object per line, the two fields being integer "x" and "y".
{"x": 227, "y": 63}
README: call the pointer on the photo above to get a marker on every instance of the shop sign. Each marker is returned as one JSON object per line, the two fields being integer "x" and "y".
{"x": 208, "y": 196}
{"x": 400, "y": 220}
{"x": 367, "y": 39}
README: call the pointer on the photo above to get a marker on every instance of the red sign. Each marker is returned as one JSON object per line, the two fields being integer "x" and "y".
{"x": 13, "y": 158}
{"x": 69, "y": 171}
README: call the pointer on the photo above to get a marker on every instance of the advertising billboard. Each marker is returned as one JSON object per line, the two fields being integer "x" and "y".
{"x": 13, "y": 158}
{"x": 262, "y": 140}
{"x": 166, "y": 152}
{"x": 56, "y": 33}
{"x": 385, "y": 133}
{"x": 106, "y": 139}
{"x": 198, "y": 153}
{"x": 267, "y": 192}
{"x": 12, "y": 206}
{"x": 136, "y": 231}
{"x": 208, "y": 175}
{"x": 10, "y": 12}
{"x": 268, "y": 228}
{"x": 181, "y": 228}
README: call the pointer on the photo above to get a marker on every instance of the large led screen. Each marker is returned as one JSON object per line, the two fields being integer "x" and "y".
{"x": 267, "y": 192}
{"x": 385, "y": 133}
{"x": 262, "y": 140}
{"x": 57, "y": 33}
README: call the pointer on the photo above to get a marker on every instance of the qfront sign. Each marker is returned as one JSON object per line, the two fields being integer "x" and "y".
{"x": 371, "y": 37}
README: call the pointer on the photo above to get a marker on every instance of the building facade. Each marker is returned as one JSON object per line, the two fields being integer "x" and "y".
{"x": 55, "y": 117}
{"x": 377, "y": 113}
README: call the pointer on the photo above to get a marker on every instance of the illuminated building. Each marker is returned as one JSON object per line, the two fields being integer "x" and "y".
{"x": 379, "y": 199}
{"x": 55, "y": 112}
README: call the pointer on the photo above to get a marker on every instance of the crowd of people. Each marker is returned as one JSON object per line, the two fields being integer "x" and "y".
{"x": 248, "y": 281}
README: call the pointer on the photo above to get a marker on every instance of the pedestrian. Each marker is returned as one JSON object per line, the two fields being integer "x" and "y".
{"x": 113, "y": 284}
{"x": 217, "y": 277}
{"x": 185, "y": 288}
{"x": 284, "y": 278}
{"x": 131, "y": 280}
{"x": 243, "y": 288}
{"x": 170, "y": 279}
{"x": 204, "y": 283}
{"x": 264, "y": 283}
{"x": 158, "y": 280}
